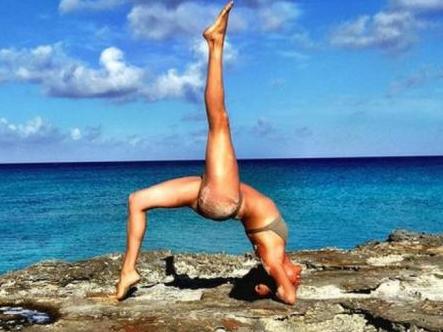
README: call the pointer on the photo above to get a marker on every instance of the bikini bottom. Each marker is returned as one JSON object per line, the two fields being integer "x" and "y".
{"x": 278, "y": 226}
{"x": 220, "y": 212}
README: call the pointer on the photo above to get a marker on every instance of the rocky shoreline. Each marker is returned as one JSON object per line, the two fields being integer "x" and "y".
{"x": 394, "y": 285}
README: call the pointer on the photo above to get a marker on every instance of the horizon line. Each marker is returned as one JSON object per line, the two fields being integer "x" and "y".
{"x": 202, "y": 160}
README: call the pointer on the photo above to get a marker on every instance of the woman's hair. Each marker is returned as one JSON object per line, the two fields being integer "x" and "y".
{"x": 244, "y": 288}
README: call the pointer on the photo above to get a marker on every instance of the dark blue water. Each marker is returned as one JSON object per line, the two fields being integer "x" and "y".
{"x": 75, "y": 211}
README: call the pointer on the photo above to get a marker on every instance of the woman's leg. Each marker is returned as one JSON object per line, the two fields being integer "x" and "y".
{"x": 221, "y": 173}
{"x": 169, "y": 194}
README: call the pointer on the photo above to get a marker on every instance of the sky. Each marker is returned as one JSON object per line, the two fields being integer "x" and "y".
{"x": 105, "y": 80}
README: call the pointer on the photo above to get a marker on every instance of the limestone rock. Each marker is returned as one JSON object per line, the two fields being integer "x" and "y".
{"x": 396, "y": 285}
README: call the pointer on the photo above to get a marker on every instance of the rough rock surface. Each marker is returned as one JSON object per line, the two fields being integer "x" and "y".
{"x": 396, "y": 285}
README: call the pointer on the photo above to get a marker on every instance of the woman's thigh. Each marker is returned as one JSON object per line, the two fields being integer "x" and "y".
{"x": 173, "y": 193}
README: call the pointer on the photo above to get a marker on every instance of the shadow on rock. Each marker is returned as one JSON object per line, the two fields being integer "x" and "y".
{"x": 183, "y": 281}
{"x": 243, "y": 288}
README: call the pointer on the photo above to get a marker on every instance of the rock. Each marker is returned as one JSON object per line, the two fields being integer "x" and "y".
{"x": 396, "y": 285}
{"x": 423, "y": 238}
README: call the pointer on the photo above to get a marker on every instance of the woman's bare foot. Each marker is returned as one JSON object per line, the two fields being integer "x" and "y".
{"x": 216, "y": 32}
{"x": 127, "y": 280}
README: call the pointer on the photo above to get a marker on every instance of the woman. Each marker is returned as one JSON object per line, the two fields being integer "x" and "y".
{"x": 218, "y": 194}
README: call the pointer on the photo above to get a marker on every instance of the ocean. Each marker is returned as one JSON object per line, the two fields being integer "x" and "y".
{"x": 73, "y": 211}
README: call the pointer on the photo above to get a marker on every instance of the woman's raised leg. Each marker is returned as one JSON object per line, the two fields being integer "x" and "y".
{"x": 221, "y": 172}
{"x": 169, "y": 194}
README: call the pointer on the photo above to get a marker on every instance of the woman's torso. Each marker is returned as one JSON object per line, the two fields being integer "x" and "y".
{"x": 257, "y": 209}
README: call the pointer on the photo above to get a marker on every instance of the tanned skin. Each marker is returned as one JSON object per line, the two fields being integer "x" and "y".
{"x": 220, "y": 185}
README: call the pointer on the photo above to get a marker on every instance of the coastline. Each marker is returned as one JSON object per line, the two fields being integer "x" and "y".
{"x": 391, "y": 285}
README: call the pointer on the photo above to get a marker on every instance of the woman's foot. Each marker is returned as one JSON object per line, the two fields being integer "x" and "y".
{"x": 216, "y": 32}
{"x": 127, "y": 280}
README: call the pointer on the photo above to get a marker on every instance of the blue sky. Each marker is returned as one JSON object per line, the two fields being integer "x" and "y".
{"x": 84, "y": 80}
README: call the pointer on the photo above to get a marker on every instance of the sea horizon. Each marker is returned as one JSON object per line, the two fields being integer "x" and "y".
{"x": 239, "y": 159}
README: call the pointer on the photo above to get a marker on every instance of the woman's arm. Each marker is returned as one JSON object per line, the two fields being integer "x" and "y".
{"x": 272, "y": 260}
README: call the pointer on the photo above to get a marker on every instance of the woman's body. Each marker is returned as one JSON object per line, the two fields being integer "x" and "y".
{"x": 218, "y": 194}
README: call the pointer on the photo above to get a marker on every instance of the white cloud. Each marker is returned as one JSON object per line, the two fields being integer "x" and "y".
{"x": 161, "y": 19}
{"x": 62, "y": 76}
{"x": 200, "y": 51}
{"x": 172, "y": 84}
{"x": 396, "y": 27}
{"x": 115, "y": 78}
{"x": 92, "y": 134}
{"x": 89, "y": 135}
{"x": 158, "y": 21}
{"x": 387, "y": 30}
{"x": 189, "y": 84}
{"x": 76, "y": 134}
{"x": 420, "y": 6}
{"x": 38, "y": 131}
{"x": 275, "y": 15}
{"x": 33, "y": 131}
{"x": 38, "y": 140}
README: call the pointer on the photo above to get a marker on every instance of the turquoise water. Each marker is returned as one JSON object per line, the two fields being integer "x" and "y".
{"x": 75, "y": 211}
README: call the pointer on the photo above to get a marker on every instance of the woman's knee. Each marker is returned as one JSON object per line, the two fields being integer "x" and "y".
{"x": 135, "y": 202}
{"x": 220, "y": 121}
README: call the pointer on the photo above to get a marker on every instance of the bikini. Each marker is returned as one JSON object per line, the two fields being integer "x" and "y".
{"x": 278, "y": 226}
{"x": 219, "y": 215}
